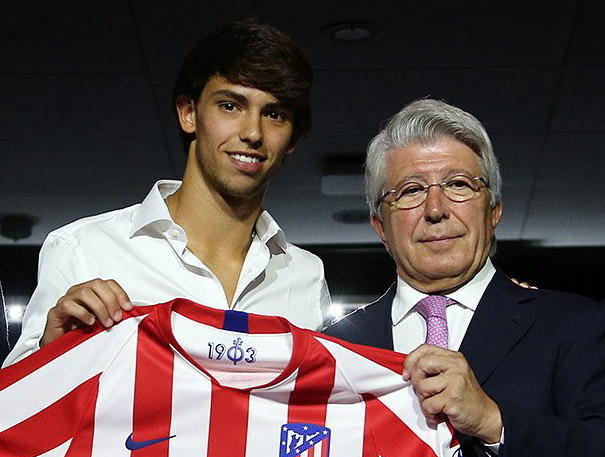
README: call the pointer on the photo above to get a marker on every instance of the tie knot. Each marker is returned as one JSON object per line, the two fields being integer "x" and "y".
{"x": 433, "y": 306}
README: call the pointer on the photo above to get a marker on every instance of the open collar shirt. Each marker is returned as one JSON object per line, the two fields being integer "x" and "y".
{"x": 145, "y": 251}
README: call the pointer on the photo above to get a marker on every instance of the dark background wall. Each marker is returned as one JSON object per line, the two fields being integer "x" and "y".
{"x": 357, "y": 272}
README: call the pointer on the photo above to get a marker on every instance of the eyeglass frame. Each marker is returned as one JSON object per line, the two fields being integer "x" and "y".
{"x": 426, "y": 187}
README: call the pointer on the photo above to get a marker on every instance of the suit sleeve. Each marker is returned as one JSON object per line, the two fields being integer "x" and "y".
{"x": 59, "y": 267}
{"x": 577, "y": 427}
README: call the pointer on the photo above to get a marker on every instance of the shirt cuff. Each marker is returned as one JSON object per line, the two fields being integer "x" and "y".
{"x": 495, "y": 447}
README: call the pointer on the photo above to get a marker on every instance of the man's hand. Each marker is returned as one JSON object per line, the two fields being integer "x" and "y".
{"x": 446, "y": 385}
{"x": 83, "y": 304}
{"x": 523, "y": 284}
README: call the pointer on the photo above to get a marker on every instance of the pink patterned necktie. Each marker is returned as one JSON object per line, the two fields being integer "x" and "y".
{"x": 432, "y": 308}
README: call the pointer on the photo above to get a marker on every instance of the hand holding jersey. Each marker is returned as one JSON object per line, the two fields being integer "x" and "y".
{"x": 83, "y": 304}
{"x": 447, "y": 387}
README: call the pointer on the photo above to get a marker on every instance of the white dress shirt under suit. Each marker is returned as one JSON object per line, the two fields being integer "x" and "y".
{"x": 409, "y": 327}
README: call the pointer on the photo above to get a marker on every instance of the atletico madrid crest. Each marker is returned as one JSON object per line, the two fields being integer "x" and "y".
{"x": 306, "y": 440}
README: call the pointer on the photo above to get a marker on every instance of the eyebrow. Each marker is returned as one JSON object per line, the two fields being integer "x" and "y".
{"x": 243, "y": 100}
{"x": 232, "y": 95}
{"x": 449, "y": 174}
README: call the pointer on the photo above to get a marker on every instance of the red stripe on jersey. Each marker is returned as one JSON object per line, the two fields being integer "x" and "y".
{"x": 388, "y": 359}
{"x": 228, "y": 422}
{"x": 58, "y": 421}
{"x": 152, "y": 409}
{"x": 314, "y": 383}
{"x": 391, "y": 434}
{"x": 81, "y": 445}
{"x": 60, "y": 346}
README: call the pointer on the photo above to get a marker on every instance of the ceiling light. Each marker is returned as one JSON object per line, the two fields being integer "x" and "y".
{"x": 351, "y": 31}
{"x": 352, "y": 216}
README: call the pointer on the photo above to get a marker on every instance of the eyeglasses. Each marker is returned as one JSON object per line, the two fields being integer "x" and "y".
{"x": 411, "y": 194}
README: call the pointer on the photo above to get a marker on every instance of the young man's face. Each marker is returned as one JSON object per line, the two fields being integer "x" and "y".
{"x": 242, "y": 135}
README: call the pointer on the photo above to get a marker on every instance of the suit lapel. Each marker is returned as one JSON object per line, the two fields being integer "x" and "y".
{"x": 380, "y": 330}
{"x": 500, "y": 321}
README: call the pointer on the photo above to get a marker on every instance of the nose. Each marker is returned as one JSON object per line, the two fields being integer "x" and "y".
{"x": 251, "y": 130}
{"x": 436, "y": 205}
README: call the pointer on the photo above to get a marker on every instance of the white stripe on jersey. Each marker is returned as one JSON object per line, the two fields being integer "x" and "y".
{"x": 59, "y": 451}
{"x": 402, "y": 402}
{"x": 268, "y": 411}
{"x": 115, "y": 401}
{"x": 22, "y": 400}
{"x": 191, "y": 392}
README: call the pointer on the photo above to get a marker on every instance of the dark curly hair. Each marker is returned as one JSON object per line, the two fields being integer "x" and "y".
{"x": 252, "y": 53}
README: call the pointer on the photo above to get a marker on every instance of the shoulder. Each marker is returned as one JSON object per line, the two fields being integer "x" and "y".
{"x": 117, "y": 223}
{"x": 558, "y": 309}
{"x": 302, "y": 256}
{"x": 365, "y": 324}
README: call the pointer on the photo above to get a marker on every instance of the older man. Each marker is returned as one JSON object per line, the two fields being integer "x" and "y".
{"x": 519, "y": 371}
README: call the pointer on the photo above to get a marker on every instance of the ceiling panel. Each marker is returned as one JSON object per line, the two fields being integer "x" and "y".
{"x": 581, "y": 99}
{"x": 587, "y": 45}
{"x": 82, "y": 167}
{"x": 87, "y": 123}
{"x": 77, "y": 106}
{"x": 505, "y": 99}
{"x": 557, "y": 214}
{"x": 573, "y": 160}
{"x": 70, "y": 36}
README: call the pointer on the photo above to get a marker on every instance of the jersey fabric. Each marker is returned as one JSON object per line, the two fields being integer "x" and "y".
{"x": 181, "y": 379}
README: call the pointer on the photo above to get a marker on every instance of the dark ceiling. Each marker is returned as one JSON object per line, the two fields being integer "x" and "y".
{"x": 86, "y": 123}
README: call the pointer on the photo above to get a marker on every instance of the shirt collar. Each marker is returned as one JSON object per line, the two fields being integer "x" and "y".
{"x": 153, "y": 212}
{"x": 266, "y": 229}
{"x": 468, "y": 295}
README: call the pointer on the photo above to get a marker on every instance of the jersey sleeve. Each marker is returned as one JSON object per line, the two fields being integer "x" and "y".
{"x": 59, "y": 267}
{"x": 45, "y": 396}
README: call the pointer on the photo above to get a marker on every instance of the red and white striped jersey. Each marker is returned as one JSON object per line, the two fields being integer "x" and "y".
{"x": 181, "y": 379}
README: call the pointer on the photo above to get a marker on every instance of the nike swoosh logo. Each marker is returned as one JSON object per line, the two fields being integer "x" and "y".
{"x": 133, "y": 445}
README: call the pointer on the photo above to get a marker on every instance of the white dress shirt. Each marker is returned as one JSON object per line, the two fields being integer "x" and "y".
{"x": 409, "y": 327}
{"x": 144, "y": 251}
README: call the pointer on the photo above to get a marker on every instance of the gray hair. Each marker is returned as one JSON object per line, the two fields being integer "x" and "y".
{"x": 425, "y": 122}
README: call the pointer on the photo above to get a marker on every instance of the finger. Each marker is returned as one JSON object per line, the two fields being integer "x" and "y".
{"x": 417, "y": 354}
{"x": 429, "y": 387}
{"x": 69, "y": 310}
{"x": 433, "y": 408}
{"x": 121, "y": 295}
{"x": 87, "y": 298}
{"x": 105, "y": 291}
{"x": 62, "y": 317}
{"x": 431, "y": 364}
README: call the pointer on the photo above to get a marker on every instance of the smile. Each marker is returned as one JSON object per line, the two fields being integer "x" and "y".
{"x": 244, "y": 158}
{"x": 440, "y": 239}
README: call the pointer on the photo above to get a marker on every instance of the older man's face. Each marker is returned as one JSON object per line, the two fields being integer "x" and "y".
{"x": 439, "y": 245}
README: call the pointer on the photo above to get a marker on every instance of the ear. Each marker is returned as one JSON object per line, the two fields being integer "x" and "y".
{"x": 185, "y": 108}
{"x": 291, "y": 147}
{"x": 378, "y": 226}
{"x": 496, "y": 214}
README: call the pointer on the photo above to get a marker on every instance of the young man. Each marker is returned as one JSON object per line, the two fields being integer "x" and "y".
{"x": 243, "y": 101}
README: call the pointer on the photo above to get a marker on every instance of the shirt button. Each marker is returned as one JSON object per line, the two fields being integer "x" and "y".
{"x": 175, "y": 233}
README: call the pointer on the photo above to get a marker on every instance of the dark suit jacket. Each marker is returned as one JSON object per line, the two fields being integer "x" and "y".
{"x": 4, "y": 347}
{"x": 539, "y": 354}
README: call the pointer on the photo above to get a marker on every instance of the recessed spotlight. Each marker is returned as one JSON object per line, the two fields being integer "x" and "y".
{"x": 351, "y": 31}
{"x": 352, "y": 216}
